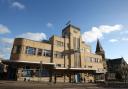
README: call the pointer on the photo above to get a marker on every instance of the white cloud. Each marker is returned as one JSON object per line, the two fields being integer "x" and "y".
{"x": 97, "y": 32}
{"x": 125, "y": 39}
{"x": 4, "y": 29}
{"x": 5, "y": 47}
{"x": 49, "y": 25}
{"x": 33, "y": 36}
{"x": 5, "y": 51}
{"x": 108, "y": 29}
{"x": 6, "y": 40}
{"x": 113, "y": 40}
{"x": 18, "y": 5}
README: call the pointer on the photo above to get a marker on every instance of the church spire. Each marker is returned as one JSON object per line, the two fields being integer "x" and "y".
{"x": 100, "y": 51}
{"x": 99, "y": 47}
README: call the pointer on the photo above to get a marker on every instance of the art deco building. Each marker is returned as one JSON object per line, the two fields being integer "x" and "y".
{"x": 63, "y": 58}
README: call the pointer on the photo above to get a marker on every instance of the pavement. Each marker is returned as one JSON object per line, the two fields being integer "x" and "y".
{"x": 44, "y": 85}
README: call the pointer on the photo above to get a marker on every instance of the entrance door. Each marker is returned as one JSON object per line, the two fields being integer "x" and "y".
{"x": 77, "y": 78}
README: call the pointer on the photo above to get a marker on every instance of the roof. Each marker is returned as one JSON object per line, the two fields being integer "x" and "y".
{"x": 43, "y": 41}
{"x": 99, "y": 47}
{"x": 116, "y": 60}
{"x": 70, "y": 25}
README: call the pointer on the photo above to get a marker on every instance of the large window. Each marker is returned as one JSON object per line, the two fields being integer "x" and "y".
{"x": 39, "y": 53}
{"x": 47, "y": 53}
{"x": 30, "y": 50}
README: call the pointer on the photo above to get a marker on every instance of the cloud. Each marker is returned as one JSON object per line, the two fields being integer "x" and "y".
{"x": 4, "y": 29}
{"x": 33, "y": 36}
{"x": 6, "y": 40}
{"x": 125, "y": 39}
{"x": 113, "y": 40}
{"x": 5, "y": 51}
{"x": 5, "y": 47}
{"x": 49, "y": 25}
{"x": 17, "y": 5}
{"x": 98, "y": 32}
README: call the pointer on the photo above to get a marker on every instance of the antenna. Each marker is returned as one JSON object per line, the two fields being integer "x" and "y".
{"x": 68, "y": 23}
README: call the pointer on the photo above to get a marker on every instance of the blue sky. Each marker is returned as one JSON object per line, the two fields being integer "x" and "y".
{"x": 40, "y": 19}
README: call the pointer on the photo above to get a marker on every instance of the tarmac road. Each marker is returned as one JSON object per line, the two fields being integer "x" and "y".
{"x": 42, "y": 85}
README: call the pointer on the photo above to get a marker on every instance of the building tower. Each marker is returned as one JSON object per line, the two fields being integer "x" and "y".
{"x": 73, "y": 34}
{"x": 100, "y": 51}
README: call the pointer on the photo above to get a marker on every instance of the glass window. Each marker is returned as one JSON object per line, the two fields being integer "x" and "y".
{"x": 47, "y": 53}
{"x": 30, "y": 50}
{"x": 39, "y": 53}
{"x": 27, "y": 72}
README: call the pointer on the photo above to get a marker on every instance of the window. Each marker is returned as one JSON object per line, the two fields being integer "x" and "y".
{"x": 27, "y": 72}
{"x": 46, "y": 53}
{"x": 39, "y": 53}
{"x": 30, "y": 50}
{"x": 58, "y": 54}
{"x": 91, "y": 59}
{"x": 59, "y": 43}
{"x": 16, "y": 49}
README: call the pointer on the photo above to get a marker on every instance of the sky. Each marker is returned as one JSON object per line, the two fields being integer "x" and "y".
{"x": 40, "y": 19}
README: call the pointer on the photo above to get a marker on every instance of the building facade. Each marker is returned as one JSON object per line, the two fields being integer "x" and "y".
{"x": 117, "y": 69}
{"x": 63, "y": 58}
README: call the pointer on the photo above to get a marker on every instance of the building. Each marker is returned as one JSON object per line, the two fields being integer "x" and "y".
{"x": 117, "y": 69}
{"x": 3, "y": 70}
{"x": 63, "y": 58}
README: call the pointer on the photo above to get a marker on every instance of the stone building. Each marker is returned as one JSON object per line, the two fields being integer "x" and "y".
{"x": 63, "y": 58}
{"x": 117, "y": 69}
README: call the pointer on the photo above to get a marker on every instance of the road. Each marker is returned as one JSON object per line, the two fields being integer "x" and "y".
{"x": 41, "y": 85}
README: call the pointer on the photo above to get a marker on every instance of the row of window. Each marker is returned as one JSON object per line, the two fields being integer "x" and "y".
{"x": 91, "y": 59}
{"x": 47, "y": 53}
{"x": 32, "y": 51}
{"x": 40, "y": 52}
